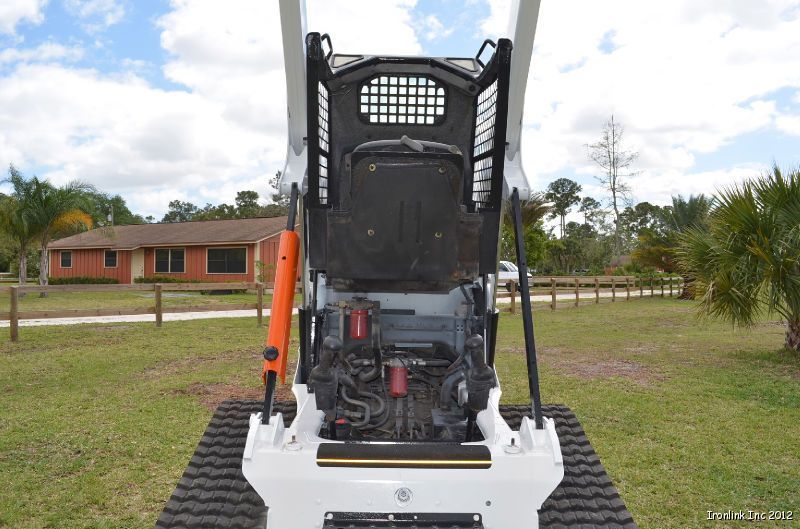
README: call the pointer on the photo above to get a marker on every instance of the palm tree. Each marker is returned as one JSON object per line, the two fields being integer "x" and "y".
{"x": 747, "y": 262}
{"x": 16, "y": 226}
{"x": 53, "y": 209}
{"x": 15, "y": 222}
{"x": 686, "y": 213}
{"x": 43, "y": 209}
{"x": 532, "y": 210}
{"x": 683, "y": 215}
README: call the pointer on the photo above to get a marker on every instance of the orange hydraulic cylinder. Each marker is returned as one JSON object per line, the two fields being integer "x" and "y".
{"x": 280, "y": 318}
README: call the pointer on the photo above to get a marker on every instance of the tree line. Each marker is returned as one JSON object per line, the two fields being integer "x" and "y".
{"x": 614, "y": 234}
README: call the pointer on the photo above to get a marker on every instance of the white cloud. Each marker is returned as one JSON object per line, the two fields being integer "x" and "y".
{"x": 685, "y": 79}
{"x": 96, "y": 15}
{"x": 789, "y": 124}
{"x": 432, "y": 28}
{"x": 12, "y": 12}
{"x": 223, "y": 133}
{"x": 44, "y": 52}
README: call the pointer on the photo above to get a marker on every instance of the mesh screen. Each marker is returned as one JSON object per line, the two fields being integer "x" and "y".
{"x": 402, "y": 99}
{"x": 324, "y": 136}
{"x": 483, "y": 148}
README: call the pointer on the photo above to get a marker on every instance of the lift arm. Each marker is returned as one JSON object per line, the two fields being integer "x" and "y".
{"x": 521, "y": 30}
{"x": 293, "y": 31}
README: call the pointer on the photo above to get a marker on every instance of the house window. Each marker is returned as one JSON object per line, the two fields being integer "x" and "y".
{"x": 227, "y": 261}
{"x": 66, "y": 259}
{"x": 170, "y": 261}
{"x": 111, "y": 259}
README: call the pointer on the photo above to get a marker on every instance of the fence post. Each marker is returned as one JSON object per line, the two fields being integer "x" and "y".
{"x": 641, "y": 286}
{"x": 553, "y": 293}
{"x": 661, "y": 281}
{"x": 596, "y": 290}
{"x": 513, "y": 297}
{"x": 651, "y": 286}
{"x": 159, "y": 314}
{"x": 670, "y": 286}
{"x": 613, "y": 289}
{"x": 13, "y": 316}
{"x": 577, "y": 292}
{"x": 627, "y": 289}
{"x": 260, "y": 302}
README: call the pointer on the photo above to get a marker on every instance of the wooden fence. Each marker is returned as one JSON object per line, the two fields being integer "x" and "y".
{"x": 613, "y": 287}
{"x": 158, "y": 309}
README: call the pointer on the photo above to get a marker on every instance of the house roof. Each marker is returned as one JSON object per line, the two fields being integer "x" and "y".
{"x": 196, "y": 232}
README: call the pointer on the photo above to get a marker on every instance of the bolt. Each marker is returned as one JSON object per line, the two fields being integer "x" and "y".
{"x": 271, "y": 353}
{"x": 442, "y": 170}
{"x": 438, "y": 235}
{"x": 372, "y": 167}
{"x": 370, "y": 232}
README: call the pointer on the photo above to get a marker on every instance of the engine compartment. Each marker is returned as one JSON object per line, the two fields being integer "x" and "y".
{"x": 380, "y": 375}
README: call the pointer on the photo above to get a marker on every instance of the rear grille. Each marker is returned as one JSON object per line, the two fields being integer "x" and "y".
{"x": 355, "y": 520}
{"x": 402, "y": 99}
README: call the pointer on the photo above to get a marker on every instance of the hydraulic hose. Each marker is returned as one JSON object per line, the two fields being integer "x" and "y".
{"x": 387, "y": 415}
{"x": 376, "y": 398}
{"x": 448, "y": 385}
{"x": 360, "y": 404}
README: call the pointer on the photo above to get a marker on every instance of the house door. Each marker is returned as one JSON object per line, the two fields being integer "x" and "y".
{"x": 137, "y": 264}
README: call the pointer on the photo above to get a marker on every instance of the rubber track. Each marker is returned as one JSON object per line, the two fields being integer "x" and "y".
{"x": 213, "y": 493}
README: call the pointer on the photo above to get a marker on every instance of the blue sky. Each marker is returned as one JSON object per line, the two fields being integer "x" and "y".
{"x": 159, "y": 100}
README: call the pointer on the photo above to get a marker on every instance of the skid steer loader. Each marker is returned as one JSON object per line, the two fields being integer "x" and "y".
{"x": 399, "y": 170}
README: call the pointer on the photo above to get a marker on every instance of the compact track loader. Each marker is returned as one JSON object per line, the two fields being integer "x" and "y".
{"x": 399, "y": 170}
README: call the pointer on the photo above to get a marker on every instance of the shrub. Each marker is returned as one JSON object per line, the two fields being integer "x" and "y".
{"x": 164, "y": 279}
{"x": 82, "y": 280}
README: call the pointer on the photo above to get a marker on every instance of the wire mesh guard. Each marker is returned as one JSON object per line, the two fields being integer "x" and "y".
{"x": 402, "y": 99}
{"x": 324, "y": 137}
{"x": 483, "y": 148}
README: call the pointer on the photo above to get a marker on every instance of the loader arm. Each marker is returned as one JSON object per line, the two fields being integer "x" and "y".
{"x": 293, "y": 32}
{"x": 522, "y": 31}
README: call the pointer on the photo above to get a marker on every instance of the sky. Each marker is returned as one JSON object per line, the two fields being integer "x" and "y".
{"x": 185, "y": 99}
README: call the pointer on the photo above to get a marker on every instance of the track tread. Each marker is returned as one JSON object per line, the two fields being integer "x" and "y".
{"x": 213, "y": 493}
{"x": 586, "y": 497}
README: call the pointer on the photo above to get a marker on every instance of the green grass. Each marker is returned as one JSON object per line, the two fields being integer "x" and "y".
{"x": 98, "y": 422}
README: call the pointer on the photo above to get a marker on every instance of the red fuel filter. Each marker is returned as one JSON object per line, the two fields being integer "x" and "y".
{"x": 359, "y": 320}
{"x": 398, "y": 379}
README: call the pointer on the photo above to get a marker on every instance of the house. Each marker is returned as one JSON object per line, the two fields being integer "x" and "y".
{"x": 208, "y": 251}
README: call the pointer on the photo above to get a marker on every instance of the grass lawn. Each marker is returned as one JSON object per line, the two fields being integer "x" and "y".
{"x": 98, "y": 422}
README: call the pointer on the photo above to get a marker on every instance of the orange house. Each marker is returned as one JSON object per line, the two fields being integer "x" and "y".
{"x": 207, "y": 251}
